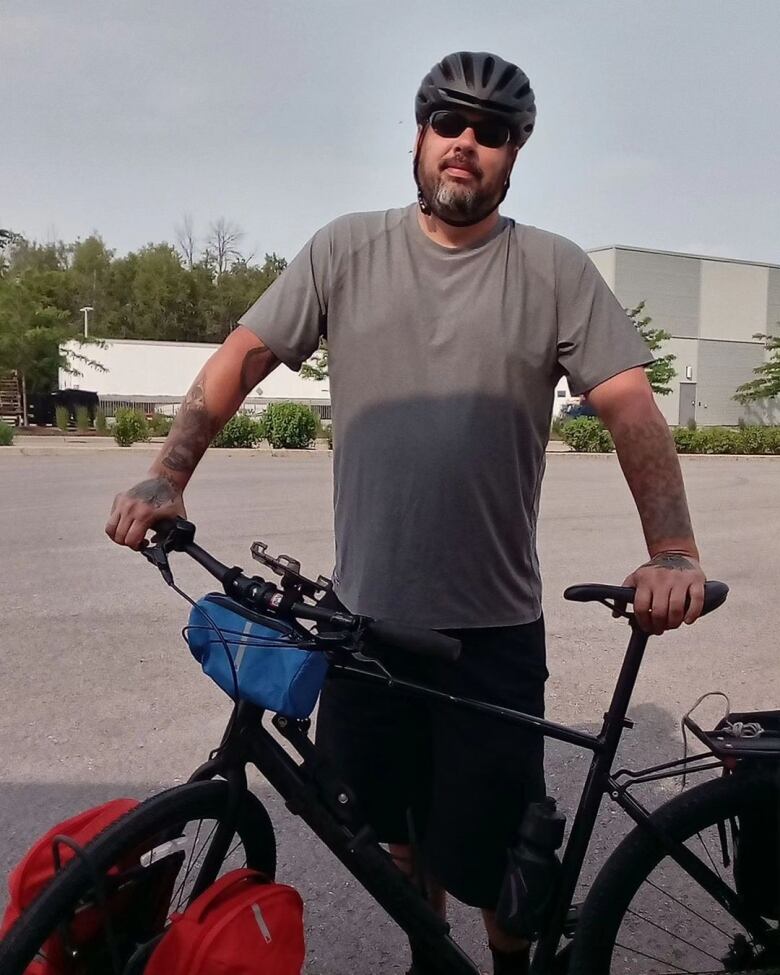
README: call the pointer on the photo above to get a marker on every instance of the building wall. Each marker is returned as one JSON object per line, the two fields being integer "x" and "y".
{"x": 773, "y": 302}
{"x": 669, "y": 286}
{"x": 722, "y": 367}
{"x": 712, "y": 308}
{"x": 686, "y": 352}
{"x": 605, "y": 264}
{"x": 733, "y": 300}
{"x": 161, "y": 370}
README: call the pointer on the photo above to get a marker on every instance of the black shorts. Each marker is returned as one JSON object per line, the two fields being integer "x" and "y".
{"x": 464, "y": 778}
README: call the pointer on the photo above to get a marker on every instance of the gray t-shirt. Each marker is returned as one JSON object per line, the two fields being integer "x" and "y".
{"x": 443, "y": 365}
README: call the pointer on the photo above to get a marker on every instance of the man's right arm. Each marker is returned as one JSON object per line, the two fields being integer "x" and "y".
{"x": 240, "y": 363}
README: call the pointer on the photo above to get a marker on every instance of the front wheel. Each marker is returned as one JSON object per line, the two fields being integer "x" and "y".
{"x": 106, "y": 912}
{"x": 644, "y": 914}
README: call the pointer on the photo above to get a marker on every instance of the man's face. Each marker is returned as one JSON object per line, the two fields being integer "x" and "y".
{"x": 462, "y": 180}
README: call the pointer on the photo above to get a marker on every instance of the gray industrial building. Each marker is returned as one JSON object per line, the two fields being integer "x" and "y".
{"x": 712, "y": 307}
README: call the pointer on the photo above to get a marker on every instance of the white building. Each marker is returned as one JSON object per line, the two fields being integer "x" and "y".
{"x": 156, "y": 376}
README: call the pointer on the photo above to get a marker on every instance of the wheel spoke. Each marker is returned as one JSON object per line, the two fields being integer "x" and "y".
{"x": 661, "y": 961}
{"x": 193, "y": 859}
{"x": 687, "y": 907}
{"x": 709, "y": 856}
{"x": 671, "y": 934}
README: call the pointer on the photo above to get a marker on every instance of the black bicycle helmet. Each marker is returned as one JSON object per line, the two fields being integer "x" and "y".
{"x": 480, "y": 81}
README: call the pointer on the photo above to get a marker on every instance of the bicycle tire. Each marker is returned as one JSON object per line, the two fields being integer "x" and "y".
{"x": 159, "y": 814}
{"x": 639, "y": 854}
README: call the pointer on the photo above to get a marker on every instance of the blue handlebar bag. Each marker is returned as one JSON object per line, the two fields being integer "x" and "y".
{"x": 269, "y": 667}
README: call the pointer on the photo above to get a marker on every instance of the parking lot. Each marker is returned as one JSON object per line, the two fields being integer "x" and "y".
{"x": 101, "y": 697}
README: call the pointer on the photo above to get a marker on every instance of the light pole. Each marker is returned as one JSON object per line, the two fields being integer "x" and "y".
{"x": 86, "y": 309}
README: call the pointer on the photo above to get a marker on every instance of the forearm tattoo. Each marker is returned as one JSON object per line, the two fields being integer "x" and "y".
{"x": 191, "y": 433}
{"x": 652, "y": 470}
{"x": 157, "y": 491}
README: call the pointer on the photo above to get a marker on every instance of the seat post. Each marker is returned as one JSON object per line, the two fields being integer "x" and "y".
{"x": 612, "y": 728}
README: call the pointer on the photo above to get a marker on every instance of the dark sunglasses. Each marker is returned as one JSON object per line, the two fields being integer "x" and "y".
{"x": 490, "y": 133}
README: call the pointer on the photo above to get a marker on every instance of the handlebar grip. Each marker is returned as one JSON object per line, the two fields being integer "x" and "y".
{"x": 414, "y": 639}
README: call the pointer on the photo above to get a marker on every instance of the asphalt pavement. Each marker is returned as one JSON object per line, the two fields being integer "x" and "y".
{"x": 100, "y": 696}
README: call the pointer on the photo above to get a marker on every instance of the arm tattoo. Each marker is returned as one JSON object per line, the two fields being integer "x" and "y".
{"x": 649, "y": 460}
{"x": 157, "y": 491}
{"x": 191, "y": 433}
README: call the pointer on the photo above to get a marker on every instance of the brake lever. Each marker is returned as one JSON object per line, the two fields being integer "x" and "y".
{"x": 157, "y": 555}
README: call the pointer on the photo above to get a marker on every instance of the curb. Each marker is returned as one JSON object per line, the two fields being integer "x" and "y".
{"x": 584, "y": 453}
{"x": 73, "y": 449}
{"x": 44, "y": 450}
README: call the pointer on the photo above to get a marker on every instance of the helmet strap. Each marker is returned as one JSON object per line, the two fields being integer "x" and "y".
{"x": 425, "y": 207}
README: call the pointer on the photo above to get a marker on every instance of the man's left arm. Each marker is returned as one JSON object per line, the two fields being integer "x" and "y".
{"x": 670, "y": 586}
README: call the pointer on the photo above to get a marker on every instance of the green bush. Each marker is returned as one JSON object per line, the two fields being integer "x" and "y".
{"x": 62, "y": 414}
{"x": 83, "y": 419}
{"x": 717, "y": 440}
{"x": 723, "y": 440}
{"x": 288, "y": 425}
{"x": 6, "y": 434}
{"x": 556, "y": 429}
{"x": 759, "y": 440}
{"x": 160, "y": 425}
{"x": 100, "y": 421}
{"x": 130, "y": 427}
{"x": 687, "y": 440}
{"x": 586, "y": 434}
{"x": 240, "y": 430}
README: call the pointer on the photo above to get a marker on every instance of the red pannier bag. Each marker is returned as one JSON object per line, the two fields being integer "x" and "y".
{"x": 242, "y": 925}
{"x": 137, "y": 899}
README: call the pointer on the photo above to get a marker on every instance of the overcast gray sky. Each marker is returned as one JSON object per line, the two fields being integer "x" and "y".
{"x": 657, "y": 127}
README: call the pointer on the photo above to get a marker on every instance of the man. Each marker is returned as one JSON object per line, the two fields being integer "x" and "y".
{"x": 448, "y": 327}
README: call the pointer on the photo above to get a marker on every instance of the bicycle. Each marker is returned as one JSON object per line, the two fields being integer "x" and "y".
{"x": 214, "y": 822}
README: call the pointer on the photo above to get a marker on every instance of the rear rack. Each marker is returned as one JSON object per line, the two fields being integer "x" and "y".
{"x": 741, "y": 734}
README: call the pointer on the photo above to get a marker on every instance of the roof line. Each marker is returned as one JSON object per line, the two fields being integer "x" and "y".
{"x": 695, "y": 257}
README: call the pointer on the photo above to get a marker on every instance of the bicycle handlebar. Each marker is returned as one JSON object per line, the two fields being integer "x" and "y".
{"x": 179, "y": 536}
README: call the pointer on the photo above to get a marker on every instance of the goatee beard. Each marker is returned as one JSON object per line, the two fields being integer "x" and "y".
{"x": 458, "y": 204}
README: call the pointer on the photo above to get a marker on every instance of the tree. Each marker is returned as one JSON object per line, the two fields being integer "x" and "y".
{"x": 187, "y": 241}
{"x": 222, "y": 246}
{"x": 8, "y": 238}
{"x": 156, "y": 298}
{"x": 660, "y": 372}
{"x": 317, "y": 367}
{"x": 32, "y": 336}
{"x": 767, "y": 385}
{"x": 235, "y": 290}
{"x": 90, "y": 279}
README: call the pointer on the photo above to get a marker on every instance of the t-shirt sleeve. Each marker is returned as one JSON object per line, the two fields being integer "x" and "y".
{"x": 291, "y": 316}
{"x": 596, "y": 338}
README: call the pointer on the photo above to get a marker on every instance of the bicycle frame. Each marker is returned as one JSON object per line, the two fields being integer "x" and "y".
{"x": 313, "y": 791}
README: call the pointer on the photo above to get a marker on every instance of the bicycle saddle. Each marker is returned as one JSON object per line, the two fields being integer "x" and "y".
{"x": 714, "y": 594}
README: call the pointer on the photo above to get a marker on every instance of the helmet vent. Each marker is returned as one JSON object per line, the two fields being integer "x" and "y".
{"x": 468, "y": 68}
{"x": 523, "y": 90}
{"x": 506, "y": 76}
{"x": 487, "y": 71}
{"x": 446, "y": 70}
